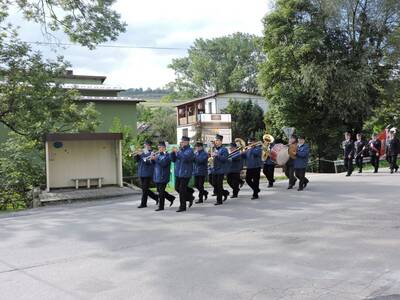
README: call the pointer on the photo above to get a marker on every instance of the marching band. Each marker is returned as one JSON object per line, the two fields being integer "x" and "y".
{"x": 219, "y": 163}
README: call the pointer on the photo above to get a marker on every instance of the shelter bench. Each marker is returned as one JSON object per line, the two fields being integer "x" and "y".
{"x": 99, "y": 181}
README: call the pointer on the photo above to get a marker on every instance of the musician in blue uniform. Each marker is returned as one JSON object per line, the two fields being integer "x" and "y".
{"x": 200, "y": 171}
{"x": 348, "y": 153}
{"x": 220, "y": 157}
{"x": 359, "y": 149}
{"x": 161, "y": 175}
{"x": 234, "y": 169}
{"x": 145, "y": 169}
{"x": 183, "y": 159}
{"x": 269, "y": 168}
{"x": 253, "y": 162}
{"x": 374, "y": 151}
{"x": 301, "y": 162}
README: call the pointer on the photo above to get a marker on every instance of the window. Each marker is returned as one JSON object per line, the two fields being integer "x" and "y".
{"x": 185, "y": 132}
{"x": 200, "y": 108}
{"x": 210, "y": 111}
{"x": 182, "y": 113}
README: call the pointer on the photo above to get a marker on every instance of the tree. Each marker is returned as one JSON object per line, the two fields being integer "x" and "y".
{"x": 85, "y": 22}
{"x": 32, "y": 103}
{"x": 247, "y": 119}
{"x": 223, "y": 64}
{"x": 326, "y": 61}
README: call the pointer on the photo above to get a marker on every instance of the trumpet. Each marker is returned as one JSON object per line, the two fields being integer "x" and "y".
{"x": 151, "y": 156}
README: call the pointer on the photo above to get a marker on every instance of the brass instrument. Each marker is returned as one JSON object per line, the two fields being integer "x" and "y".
{"x": 292, "y": 150}
{"x": 151, "y": 155}
{"x": 210, "y": 161}
{"x": 252, "y": 145}
{"x": 267, "y": 141}
{"x": 241, "y": 144}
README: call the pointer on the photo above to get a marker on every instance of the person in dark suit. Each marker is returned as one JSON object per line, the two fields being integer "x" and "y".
{"x": 183, "y": 159}
{"x": 393, "y": 150}
{"x": 269, "y": 168}
{"x": 200, "y": 171}
{"x": 374, "y": 151}
{"x": 235, "y": 167}
{"x": 220, "y": 157}
{"x": 161, "y": 175}
{"x": 253, "y": 163}
{"x": 145, "y": 170}
{"x": 359, "y": 148}
{"x": 348, "y": 153}
{"x": 301, "y": 162}
{"x": 289, "y": 168}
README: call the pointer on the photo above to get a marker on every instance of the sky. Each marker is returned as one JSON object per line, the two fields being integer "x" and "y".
{"x": 159, "y": 23}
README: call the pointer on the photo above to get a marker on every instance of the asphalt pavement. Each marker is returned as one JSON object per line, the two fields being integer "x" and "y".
{"x": 338, "y": 239}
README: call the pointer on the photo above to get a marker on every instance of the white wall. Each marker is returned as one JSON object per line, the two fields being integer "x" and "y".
{"x": 223, "y": 100}
{"x": 179, "y": 133}
{"x": 78, "y": 159}
{"x": 213, "y": 107}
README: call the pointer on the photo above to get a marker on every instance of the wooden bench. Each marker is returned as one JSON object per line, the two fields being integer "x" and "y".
{"x": 99, "y": 181}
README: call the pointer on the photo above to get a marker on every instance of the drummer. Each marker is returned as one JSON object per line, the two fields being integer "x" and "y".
{"x": 269, "y": 167}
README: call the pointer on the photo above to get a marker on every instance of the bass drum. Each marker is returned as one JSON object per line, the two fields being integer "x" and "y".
{"x": 280, "y": 154}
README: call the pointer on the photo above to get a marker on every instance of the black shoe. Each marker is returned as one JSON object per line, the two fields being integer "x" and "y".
{"x": 299, "y": 189}
{"x": 347, "y": 175}
{"x": 225, "y": 197}
{"x": 305, "y": 183}
{"x": 157, "y": 200}
{"x": 270, "y": 185}
{"x": 375, "y": 171}
{"x": 241, "y": 184}
{"x": 159, "y": 209}
{"x": 396, "y": 169}
{"x": 142, "y": 206}
{"x": 171, "y": 201}
{"x": 233, "y": 196}
{"x": 181, "y": 209}
{"x": 254, "y": 197}
{"x": 217, "y": 203}
{"x": 290, "y": 187}
{"x": 391, "y": 171}
{"x": 213, "y": 195}
{"x": 360, "y": 171}
{"x": 191, "y": 201}
{"x": 205, "y": 195}
{"x": 198, "y": 202}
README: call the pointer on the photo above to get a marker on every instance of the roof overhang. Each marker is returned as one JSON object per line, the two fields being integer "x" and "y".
{"x": 52, "y": 137}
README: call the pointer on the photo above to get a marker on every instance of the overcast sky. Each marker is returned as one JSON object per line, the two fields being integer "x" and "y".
{"x": 160, "y": 23}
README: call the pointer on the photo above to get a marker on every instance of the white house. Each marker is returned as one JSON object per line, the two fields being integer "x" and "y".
{"x": 202, "y": 118}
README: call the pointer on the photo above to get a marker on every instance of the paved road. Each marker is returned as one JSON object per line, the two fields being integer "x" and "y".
{"x": 340, "y": 239}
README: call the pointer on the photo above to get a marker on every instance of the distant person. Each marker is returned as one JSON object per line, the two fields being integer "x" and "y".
{"x": 145, "y": 170}
{"x": 161, "y": 176}
{"x": 183, "y": 158}
{"x": 289, "y": 167}
{"x": 359, "y": 148}
{"x": 301, "y": 162}
{"x": 220, "y": 156}
{"x": 200, "y": 171}
{"x": 393, "y": 150}
{"x": 348, "y": 153}
{"x": 374, "y": 151}
{"x": 269, "y": 168}
{"x": 234, "y": 169}
{"x": 253, "y": 156}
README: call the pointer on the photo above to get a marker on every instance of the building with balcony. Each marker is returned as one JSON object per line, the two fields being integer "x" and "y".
{"x": 202, "y": 118}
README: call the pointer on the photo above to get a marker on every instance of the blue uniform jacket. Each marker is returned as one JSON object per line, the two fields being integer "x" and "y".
{"x": 162, "y": 168}
{"x": 145, "y": 167}
{"x": 183, "y": 162}
{"x": 200, "y": 163}
{"x": 302, "y": 155}
{"x": 221, "y": 161}
{"x": 269, "y": 161}
{"x": 253, "y": 157}
{"x": 235, "y": 163}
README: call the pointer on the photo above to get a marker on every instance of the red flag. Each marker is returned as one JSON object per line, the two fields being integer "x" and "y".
{"x": 382, "y": 136}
